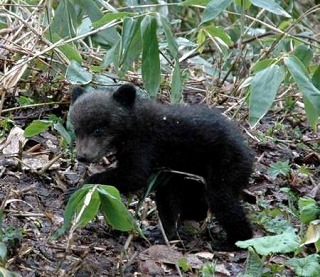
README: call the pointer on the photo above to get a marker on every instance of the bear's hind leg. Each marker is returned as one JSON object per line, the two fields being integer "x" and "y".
{"x": 169, "y": 207}
{"x": 230, "y": 214}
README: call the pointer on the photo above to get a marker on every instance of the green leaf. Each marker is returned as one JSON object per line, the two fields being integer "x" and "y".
{"x": 176, "y": 84}
{"x": 69, "y": 50}
{"x": 183, "y": 264}
{"x": 313, "y": 234}
{"x": 109, "y": 36}
{"x": 218, "y": 32}
{"x": 91, "y": 8}
{"x": 284, "y": 243}
{"x": 195, "y": 3}
{"x": 312, "y": 113}
{"x": 308, "y": 266}
{"x": 110, "y": 17}
{"x": 114, "y": 211}
{"x": 309, "y": 210}
{"x": 63, "y": 132}
{"x": 270, "y": 6}
{"x": 112, "y": 56}
{"x": 82, "y": 207}
{"x": 150, "y": 55}
{"x": 254, "y": 264}
{"x": 278, "y": 168}
{"x": 3, "y": 251}
{"x": 36, "y": 127}
{"x": 275, "y": 225}
{"x": 310, "y": 92}
{"x": 214, "y": 8}
{"x": 316, "y": 78}
{"x": 304, "y": 53}
{"x": 263, "y": 90}
{"x": 77, "y": 75}
{"x": 131, "y": 43}
{"x": 64, "y": 21}
{"x": 260, "y": 65}
{"x": 25, "y": 101}
{"x": 172, "y": 44}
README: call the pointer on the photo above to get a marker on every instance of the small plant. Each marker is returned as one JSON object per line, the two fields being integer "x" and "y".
{"x": 208, "y": 270}
{"x": 9, "y": 238}
{"x": 86, "y": 202}
{"x": 285, "y": 240}
{"x": 279, "y": 168}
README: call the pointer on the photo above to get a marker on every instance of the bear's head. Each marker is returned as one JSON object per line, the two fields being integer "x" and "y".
{"x": 101, "y": 120}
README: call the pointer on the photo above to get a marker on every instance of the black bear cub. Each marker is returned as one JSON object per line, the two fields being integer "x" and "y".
{"x": 148, "y": 137}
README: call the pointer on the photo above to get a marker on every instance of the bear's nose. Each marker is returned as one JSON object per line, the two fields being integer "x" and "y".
{"x": 81, "y": 158}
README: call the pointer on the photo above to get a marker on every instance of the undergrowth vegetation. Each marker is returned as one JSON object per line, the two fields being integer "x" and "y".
{"x": 251, "y": 56}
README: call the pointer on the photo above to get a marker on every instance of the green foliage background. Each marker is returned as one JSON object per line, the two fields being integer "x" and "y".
{"x": 262, "y": 47}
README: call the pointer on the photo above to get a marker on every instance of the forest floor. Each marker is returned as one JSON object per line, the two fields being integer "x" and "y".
{"x": 32, "y": 197}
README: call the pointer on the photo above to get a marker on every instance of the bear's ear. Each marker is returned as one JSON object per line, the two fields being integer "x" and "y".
{"x": 125, "y": 94}
{"x": 76, "y": 92}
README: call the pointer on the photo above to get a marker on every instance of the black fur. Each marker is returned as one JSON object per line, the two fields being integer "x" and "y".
{"x": 147, "y": 136}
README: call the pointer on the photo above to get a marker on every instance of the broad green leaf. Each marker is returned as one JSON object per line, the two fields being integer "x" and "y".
{"x": 172, "y": 44}
{"x": 218, "y": 32}
{"x": 313, "y": 233}
{"x": 82, "y": 207}
{"x": 131, "y": 43}
{"x": 263, "y": 90}
{"x": 214, "y": 8}
{"x": 316, "y": 78}
{"x": 3, "y": 251}
{"x": 270, "y": 6}
{"x": 254, "y": 264}
{"x": 309, "y": 91}
{"x": 176, "y": 84}
{"x": 64, "y": 22}
{"x": 77, "y": 75}
{"x": 308, "y": 209}
{"x": 112, "y": 56}
{"x": 91, "y": 8}
{"x": 276, "y": 225}
{"x": 201, "y": 38}
{"x": 306, "y": 267}
{"x": 102, "y": 81}
{"x": 114, "y": 211}
{"x": 195, "y": 3}
{"x": 260, "y": 65}
{"x": 36, "y": 127}
{"x": 63, "y": 132}
{"x": 312, "y": 113}
{"x": 278, "y": 168}
{"x": 69, "y": 50}
{"x": 304, "y": 53}
{"x": 284, "y": 243}
{"x": 109, "y": 36}
{"x": 150, "y": 55}
{"x": 110, "y": 17}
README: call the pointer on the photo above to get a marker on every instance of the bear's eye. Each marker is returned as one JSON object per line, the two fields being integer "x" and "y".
{"x": 97, "y": 132}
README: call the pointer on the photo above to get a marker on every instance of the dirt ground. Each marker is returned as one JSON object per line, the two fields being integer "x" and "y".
{"x": 32, "y": 198}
